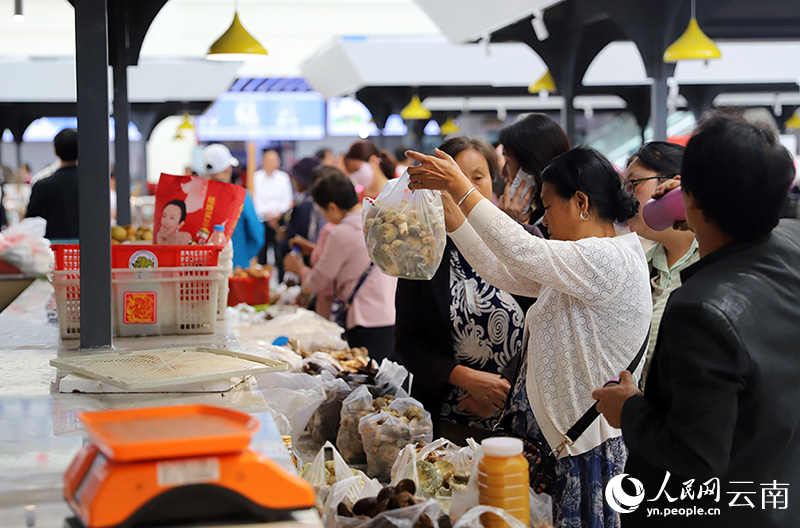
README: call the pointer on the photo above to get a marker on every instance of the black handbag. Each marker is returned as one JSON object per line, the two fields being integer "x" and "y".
{"x": 339, "y": 308}
{"x": 541, "y": 459}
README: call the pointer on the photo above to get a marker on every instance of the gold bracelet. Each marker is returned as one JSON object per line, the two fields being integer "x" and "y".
{"x": 461, "y": 201}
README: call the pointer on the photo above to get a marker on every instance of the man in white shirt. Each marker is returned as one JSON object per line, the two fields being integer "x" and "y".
{"x": 272, "y": 196}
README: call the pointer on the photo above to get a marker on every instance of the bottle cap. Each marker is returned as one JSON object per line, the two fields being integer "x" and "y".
{"x": 502, "y": 447}
{"x": 219, "y": 227}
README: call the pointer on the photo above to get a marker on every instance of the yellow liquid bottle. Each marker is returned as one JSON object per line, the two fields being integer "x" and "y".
{"x": 503, "y": 480}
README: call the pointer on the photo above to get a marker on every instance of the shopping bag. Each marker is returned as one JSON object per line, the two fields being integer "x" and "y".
{"x": 404, "y": 230}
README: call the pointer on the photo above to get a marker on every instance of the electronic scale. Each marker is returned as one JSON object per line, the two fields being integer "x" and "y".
{"x": 177, "y": 465}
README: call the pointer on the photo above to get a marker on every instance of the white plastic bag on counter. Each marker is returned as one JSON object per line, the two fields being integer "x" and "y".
{"x": 391, "y": 375}
{"x": 472, "y": 519}
{"x": 404, "y": 230}
{"x": 465, "y": 500}
{"x": 323, "y": 474}
{"x": 296, "y": 396}
{"x": 408, "y": 517}
{"x": 432, "y": 469}
{"x": 348, "y": 491}
{"x": 312, "y": 331}
{"x": 357, "y": 405}
{"x": 324, "y": 423}
{"x": 383, "y": 434}
{"x": 405, "y": 467}
{"x": 24, "y": 246}
{"x": 541, "y": 516}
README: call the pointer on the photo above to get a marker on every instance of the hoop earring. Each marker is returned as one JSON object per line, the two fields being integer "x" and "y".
{"x": 584, "y": 215}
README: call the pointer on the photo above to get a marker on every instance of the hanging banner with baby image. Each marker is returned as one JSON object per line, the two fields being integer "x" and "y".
{"x": 188, "y": 208}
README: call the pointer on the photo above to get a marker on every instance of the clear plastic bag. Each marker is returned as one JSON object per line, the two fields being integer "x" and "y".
{"x": 324, "y": 423}
{"x": 357, "y": 405}
{"x": 24, "y": 245}
{"x": 472, "y": 519}
{"x": 466, "y": 499}
{"x": 391, "y": 375}
{"x": 312, "y": 331}
{"x": 405, "y": 466}
{"x": 538, "y": 518}
{"x": 433, "y": 470}
{"x": 322, "y": 474}
{"x": 296, "y": 396}
{"x": 408, "y": 517}
{"x": 386, "y": 433}
{"x": 404, "y": 230}
{"x": 348, "y": 491}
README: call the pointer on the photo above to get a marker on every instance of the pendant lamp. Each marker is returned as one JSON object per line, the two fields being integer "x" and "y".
{"x": 414, "y": 110}
{"x": 793, "y": 123}
{"x": 449, "y": 127}
{"x": 185, "y": 127}
{"x": 544, "y": 84}
{"x": 236, "y": 44}
{"x": 693, "y": 44}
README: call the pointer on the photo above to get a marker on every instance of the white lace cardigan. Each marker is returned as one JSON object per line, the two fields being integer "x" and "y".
{"x": 591, "y": 317}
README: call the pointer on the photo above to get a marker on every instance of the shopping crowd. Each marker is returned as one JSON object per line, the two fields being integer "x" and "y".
{"x": 558, "y": 296}
{"x": 658, "y": 368}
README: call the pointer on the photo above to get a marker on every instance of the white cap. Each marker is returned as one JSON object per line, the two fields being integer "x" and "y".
{"x": 217, "y": 158}
{"x": 502, "y": 446}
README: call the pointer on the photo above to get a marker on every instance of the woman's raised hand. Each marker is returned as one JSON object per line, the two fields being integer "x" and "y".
{"x": 514, "y": 205}
{"x": 439, "y": 172}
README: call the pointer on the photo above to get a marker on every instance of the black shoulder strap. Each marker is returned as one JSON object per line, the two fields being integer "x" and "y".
{"x": 591, "y": 415}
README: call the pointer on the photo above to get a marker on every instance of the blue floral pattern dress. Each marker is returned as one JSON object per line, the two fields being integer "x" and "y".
{"x": 579, "y": 487}
{"x": 487, "y": 326}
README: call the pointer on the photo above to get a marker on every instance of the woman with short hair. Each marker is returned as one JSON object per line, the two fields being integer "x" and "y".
{"x": 344, "y": 262}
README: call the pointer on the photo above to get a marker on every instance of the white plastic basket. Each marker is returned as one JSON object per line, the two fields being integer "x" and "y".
{"x": 148, "y": 301}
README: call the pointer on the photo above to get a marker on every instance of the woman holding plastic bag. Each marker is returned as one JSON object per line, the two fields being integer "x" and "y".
{"x": 441, "y": 329}
{"x": 591, "y": 318}
{"x": 366, "y": 294}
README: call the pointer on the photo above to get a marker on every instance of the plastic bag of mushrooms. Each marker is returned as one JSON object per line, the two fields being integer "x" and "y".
{"x": 404, "y": 230}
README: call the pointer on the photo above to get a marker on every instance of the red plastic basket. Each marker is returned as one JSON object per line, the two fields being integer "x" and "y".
{"x": 68, "y": 256}
{"x": 248, "y": 290}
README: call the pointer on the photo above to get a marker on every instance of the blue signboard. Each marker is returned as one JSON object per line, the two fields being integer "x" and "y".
{"x": 254, "y": 116}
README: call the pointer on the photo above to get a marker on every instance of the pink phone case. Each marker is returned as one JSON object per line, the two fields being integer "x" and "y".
{"x": 662, "y": 214}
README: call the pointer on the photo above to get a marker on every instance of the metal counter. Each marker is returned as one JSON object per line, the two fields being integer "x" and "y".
{"x": 39, "y": 427}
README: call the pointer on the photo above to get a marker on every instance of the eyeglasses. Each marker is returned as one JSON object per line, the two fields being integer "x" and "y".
{"x": 630, "y": 185}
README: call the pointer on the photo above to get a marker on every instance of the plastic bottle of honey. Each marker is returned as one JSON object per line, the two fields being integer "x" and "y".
{"x": 503, "y": 480}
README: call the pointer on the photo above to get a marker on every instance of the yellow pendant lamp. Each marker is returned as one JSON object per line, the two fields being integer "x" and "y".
{"x": 692, "y": 45}
{"x": 544, "y": 84}
{"x": 414, "y": 110}
{"x": 236, "y": 44}
{"x": 185, "y": 127}
{"x": 449, "y": 127}
{"x": 793, "y": 123}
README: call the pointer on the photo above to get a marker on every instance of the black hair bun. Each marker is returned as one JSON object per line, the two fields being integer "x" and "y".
{"x": 626, "y": 206}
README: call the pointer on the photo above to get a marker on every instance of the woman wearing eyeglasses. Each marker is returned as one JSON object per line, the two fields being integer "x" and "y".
{"x": 673, "y": 250}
